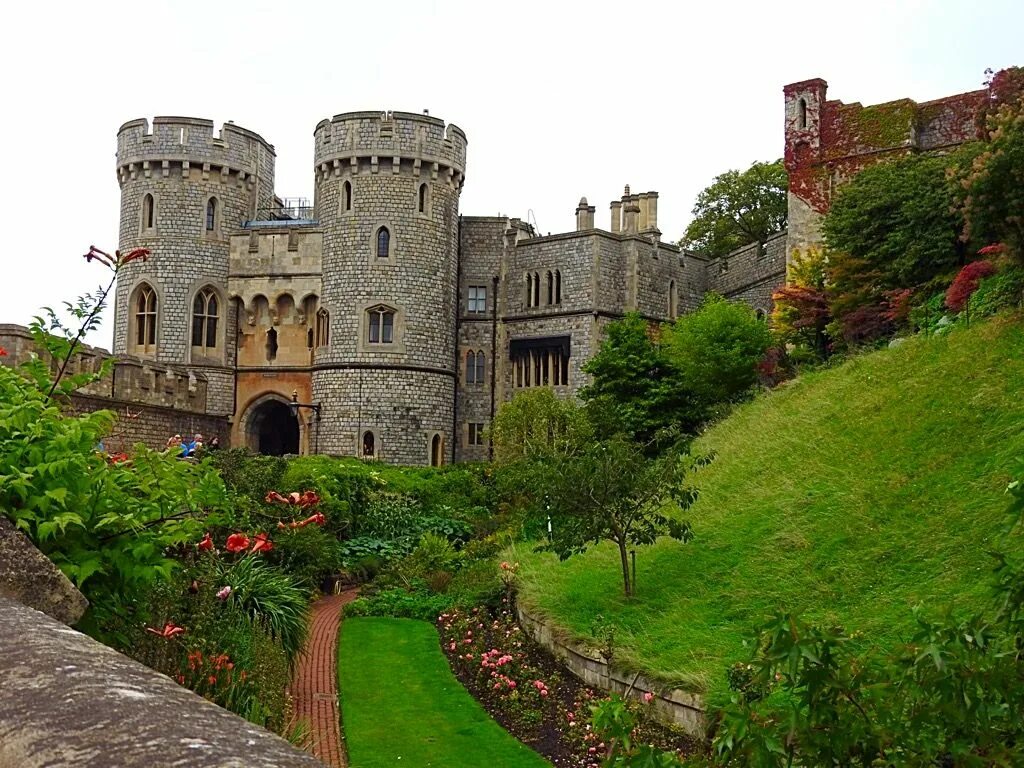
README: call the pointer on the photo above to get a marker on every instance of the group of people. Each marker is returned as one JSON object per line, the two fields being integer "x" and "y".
{"x": 188, "y": 449}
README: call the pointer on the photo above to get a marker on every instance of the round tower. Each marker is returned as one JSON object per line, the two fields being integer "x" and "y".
{"x": 183, "y": 192}
{"x": 387, "y": 198}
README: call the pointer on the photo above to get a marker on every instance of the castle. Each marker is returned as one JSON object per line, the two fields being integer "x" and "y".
{"x": 380, "y": 322}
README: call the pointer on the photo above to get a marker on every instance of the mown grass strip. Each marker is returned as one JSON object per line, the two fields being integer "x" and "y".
{"x": 401, "y": 705}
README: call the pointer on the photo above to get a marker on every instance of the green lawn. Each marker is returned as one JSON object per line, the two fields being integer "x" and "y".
{"x": 850, "y": 495}
{"x": 401, "y": 705}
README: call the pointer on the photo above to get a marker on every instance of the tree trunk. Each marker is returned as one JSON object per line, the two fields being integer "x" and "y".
{"x": 624, "y": 557}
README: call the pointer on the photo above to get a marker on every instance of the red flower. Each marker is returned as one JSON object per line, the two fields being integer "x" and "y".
{"x": 295, "y": 499}
{"x": 3, "y": 352}
{"x": 237, "y": 542}
{"x": 118, "y": 458}
{"x": 992, "y": 250}
{"x": 101, "y": 256}
{"x": 309, "y": 499}
{"x": 206, "y": 545}
{"x": 169, "y": 630}
{"x": 274, "y": 496}
{"x": 138, "y": 253}
{"x": 261, "y": 543}
{"x": 318, "y": 518}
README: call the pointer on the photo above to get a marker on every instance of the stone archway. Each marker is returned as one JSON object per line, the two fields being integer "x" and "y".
{"x": 272, "y": 429}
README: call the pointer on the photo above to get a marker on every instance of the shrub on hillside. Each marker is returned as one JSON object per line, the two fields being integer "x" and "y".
{"x": 966, "y": 283}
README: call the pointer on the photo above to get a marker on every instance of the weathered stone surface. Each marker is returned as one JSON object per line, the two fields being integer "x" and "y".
{"x": 28, "y": 576}
{"x": 70, "y": 701}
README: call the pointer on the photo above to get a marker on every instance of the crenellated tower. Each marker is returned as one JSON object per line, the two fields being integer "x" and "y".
{"x": 387, "y": 199}
{"x": 184, "y": 191}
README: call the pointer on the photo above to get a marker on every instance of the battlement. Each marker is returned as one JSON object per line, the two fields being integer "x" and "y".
{"x": 426, "y": 141}
{"x": 192, "y": 140}
{"x": 133, "y": 380}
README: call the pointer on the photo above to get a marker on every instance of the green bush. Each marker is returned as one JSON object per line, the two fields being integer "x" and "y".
{"x": 1001, "y": 291}
{"x": 419, "y": 604}
{"x": 309, "y": 555}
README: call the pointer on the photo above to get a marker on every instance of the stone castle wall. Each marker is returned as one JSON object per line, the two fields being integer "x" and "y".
{"x": 751, "y": 274}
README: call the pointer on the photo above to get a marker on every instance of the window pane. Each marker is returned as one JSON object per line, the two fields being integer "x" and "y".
{"x": 388, "y": 330}
{"x": 197, "y": 330}
{"x": 480, "y": 367}
{"x": 151, "y": 329}
{"x": 383, "y": 243}
{"x": 211, "y": 332}
{"x": 198, "y": 305}
{"x": 375, "y": 327}
{"x": 470, "y": 369}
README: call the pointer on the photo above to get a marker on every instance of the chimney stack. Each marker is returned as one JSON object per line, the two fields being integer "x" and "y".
{"x": 584, "y": 215}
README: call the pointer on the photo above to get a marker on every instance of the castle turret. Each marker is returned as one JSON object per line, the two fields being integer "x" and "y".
{"x": 183, "y": 192}
{"x": 387, "y": 198}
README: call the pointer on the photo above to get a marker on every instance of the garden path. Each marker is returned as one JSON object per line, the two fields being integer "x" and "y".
{"x": 315, "y": 683}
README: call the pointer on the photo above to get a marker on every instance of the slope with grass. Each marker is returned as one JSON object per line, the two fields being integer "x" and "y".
{"x": 401, "y": 704}
{"x": 850, "y": 495}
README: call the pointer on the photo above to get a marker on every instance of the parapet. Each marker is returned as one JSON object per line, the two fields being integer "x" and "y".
{"x": 428, "y": 142}
{"x": 191, "y": 140}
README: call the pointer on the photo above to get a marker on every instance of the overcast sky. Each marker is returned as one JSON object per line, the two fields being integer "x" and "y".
{"x": 558, "y": 99}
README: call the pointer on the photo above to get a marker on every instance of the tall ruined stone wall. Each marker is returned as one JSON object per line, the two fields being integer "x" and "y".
{"x": 751, "y": 274}
{"x": 402, "y": 174}
{"x": 829, "y": 142}
{"x": 168, "y": 177}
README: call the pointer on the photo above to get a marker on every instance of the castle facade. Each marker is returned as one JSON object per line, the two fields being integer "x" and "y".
{"x": 377, "y": 321}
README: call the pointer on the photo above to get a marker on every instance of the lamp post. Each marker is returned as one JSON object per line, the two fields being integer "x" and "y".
{"x": 294, "y": 406}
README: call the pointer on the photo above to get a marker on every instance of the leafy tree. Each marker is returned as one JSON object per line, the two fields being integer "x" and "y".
{"x": 892, "y": 227}
{"x": 992, "y": 188}
{"x": 738, "y": 208}
{"x": 714, "y": 351}
{"x": 635, "y": 388}
{"x": 610, "y": 490}
{"x": 536, "y": 423}
{"x": 801, "y": 312}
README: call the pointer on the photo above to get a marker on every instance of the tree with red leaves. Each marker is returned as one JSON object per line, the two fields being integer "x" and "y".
{"x": 966, "y": 283}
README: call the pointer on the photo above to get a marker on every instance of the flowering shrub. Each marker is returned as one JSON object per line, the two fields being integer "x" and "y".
{"x": 527, "y": 691}
{"x": 966, "y": 283}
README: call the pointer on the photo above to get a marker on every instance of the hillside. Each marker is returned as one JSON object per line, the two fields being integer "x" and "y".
{"x": 850, "y": 495}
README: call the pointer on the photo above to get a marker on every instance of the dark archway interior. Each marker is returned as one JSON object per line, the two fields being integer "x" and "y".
{"x": 275, "y": 430}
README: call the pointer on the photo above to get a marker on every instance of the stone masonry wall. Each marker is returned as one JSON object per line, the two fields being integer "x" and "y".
{"x": 751, "y": 274}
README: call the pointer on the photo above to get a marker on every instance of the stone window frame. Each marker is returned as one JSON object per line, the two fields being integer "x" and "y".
{"x": 218, "y": 208}
{"x": 431, "y": 436}
{"x": 397, "y": 344}
{"x": 475, "y": 434}
{"x": 558, "y": 287}
{"x": 801, "y": 114}
{"x": 472, "y": 300}
{"x": 375, "y": 432}
{"x": 204, "y": 353}
{"x": 148, "y": 351}
{"x": 391, "y": 259}
{"x": 673, "y": 300}
{"x": 154, "y": 209}
{"x": 322, "y": 328}
{"x": 476, "y": 367}
{"x": 423, "y": 202}
{"x": 345, "y": 185}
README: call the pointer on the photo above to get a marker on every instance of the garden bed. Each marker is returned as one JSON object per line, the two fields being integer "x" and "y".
{"x": 524, "y": 688}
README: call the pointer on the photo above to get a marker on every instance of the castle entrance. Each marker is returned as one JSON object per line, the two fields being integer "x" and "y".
{"x": 273, "y": 429}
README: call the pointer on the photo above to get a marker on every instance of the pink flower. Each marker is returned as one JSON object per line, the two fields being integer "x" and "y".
{"x": 237, "y": 542}
{"x": 648, "y": 697}
{"x": 223, "y": 593}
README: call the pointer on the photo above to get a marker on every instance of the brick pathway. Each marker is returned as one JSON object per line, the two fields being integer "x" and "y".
{"x": 315, "y": 684}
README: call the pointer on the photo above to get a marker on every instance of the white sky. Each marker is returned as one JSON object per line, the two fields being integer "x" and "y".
{"x": 558, "y": 99}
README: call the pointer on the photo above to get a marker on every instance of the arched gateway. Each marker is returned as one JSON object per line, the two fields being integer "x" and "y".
{"x": 271, "y": 428}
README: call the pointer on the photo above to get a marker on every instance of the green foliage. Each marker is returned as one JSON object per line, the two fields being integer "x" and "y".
{"x": 848, "y": 496}
{"x": 108, "y": 526}
{"x": 998, "y": 292}
{"x": 615, "y": 721}
{"x": 739, "y": 207}
{"x": 536, "y": 422}
{"x": 992, "y": 188}
{"x": 308, "y": 555}
{"x": 271, "y": 599}
{"x": 801, "y": 312}
{"x": 715, "y": 350}
{"x": 401, "y": 603}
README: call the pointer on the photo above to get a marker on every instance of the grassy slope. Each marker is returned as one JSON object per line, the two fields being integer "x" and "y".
{"x": 850, "y": 495}
{"x": 401, "y": 705}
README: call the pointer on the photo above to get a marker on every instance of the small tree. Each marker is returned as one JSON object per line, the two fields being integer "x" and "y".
{"x": 738, "y": 208}
{"x": 801, "y": 312}
{"x": 610, "y": 490}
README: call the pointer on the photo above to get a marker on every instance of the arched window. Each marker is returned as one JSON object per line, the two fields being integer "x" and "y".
{"x": 673, "y": 308}
{"x": 558, "y": 287}
{"x": 423, "y": 198}
{"x": 211, "y": 214}
{"x": 148, "y": 211}
{"x": 551, "y": 288}
{"x": 436, "y": 451}
{"x": 369, "y": 444}
{"x": 383, "y": 243}
{"x": 309, "y": 338}
{"x": 323, "y": 327}
{"x": 801, "y": 118}
{"x": 480, "y": 367}
{"x": 380, "y": 325}
{"x": 205, "y": 311}
{"x": 346, "y": 196}
{"x": 145, "y": 319}
{"x": 529, "y": 289}
{"x": 536, "y": 289}
{"x": 271, "y": 344}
